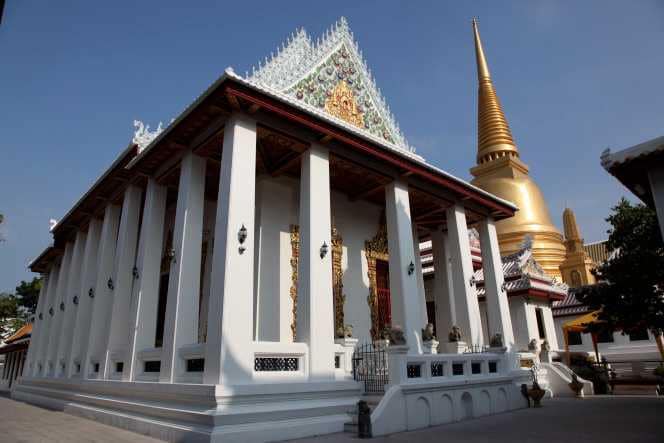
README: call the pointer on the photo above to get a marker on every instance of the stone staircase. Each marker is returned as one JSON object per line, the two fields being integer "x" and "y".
{"x": 372, "y": 399}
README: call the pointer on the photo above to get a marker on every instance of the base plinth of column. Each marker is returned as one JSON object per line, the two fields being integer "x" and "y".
{"x": 430, "y": 347}
{"x": 201, "y": 413}
{"x": 454, "y": 347}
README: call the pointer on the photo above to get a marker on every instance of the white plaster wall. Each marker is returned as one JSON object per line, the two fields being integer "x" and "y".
{"x": 356, "y": 222}
{"x": 277, "y": 209}
{"x": 621, "y": 348}
{"x": 277, "y": 201}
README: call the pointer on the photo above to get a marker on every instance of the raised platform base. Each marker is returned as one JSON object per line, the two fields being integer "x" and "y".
{"x": 201, "y": 413}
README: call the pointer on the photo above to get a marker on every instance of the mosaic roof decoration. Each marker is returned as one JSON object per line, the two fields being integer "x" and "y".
{"x": 331, "y": 76}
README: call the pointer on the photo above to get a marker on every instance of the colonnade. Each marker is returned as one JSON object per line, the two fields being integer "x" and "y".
{"x": 97, "y": 314}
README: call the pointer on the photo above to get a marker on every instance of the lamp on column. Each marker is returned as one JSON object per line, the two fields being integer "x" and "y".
{"x": 109, "y": 283}
{"x": 91, "y": 293}
{"x": 134, "y": 272}
{"x": 62, "y": 306}
{"x": 41, "y": 315}
{"x": 323, "y": 250}
{"x": 242, "y": 237}
{"x": 75, "y": 299}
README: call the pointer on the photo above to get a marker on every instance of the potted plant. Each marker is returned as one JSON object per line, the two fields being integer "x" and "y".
{"x": 535, "y": 392}
{"x": 576, "y": 386}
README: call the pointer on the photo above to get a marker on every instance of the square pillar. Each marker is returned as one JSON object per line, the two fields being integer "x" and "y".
{"x": 315, "y": 306}
{"x": 229, "y": 356}
{"x": 443, "y": 292}
{"x": 45, "y": 322}
{"x": 37, "y": 324}
{"x": 123, "y": 280}
{"x": 102, "y": 303}
{"x": 70, "y": 307}
{"x": 148, "y": 264}
{"x": 407, "y": 309}
{"x": 465, "y": 295}
{"x": 419, "y": 275}
{"x": 497, "y": 306}
{"x": 84, "y": 310}
{"x": 181, "y": 321}
{"x": 56, "y": 314}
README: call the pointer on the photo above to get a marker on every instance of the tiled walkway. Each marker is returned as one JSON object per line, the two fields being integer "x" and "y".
{"x": 602, "y": 419}
{"x": 21, "y": 422}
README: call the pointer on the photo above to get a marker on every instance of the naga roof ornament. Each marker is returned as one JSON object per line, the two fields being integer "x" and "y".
{"x": 330, "y": 75}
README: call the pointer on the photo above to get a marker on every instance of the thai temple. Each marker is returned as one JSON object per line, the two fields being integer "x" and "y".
{"x": 279, "y": 251}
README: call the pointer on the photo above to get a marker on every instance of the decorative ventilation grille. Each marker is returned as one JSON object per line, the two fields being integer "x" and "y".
{"x": 476, "y": 367}
{"x": 414, "y": 371}
{"x": 437, "y": 369}
{"x": 265, "y": 364}
{"x": 493, "y": 367}
{"x": 457, "y": 368}
{"x": 337, "y": 361}
{"x": 196, "y": 365}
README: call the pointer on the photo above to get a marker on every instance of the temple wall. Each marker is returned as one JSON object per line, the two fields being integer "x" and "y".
{"x": 277, "y": 209}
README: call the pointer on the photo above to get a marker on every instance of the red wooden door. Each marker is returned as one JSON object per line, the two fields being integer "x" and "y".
{"x": 383, "y": 292}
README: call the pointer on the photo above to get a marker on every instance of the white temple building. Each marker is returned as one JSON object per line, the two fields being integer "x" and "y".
{"x": 202, "y": 288}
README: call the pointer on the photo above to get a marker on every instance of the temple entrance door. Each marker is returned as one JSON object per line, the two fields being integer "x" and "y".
{"x": 383, "y": 293}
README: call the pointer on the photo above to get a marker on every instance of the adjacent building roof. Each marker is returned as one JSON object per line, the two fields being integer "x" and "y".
{"x": 630, "y": 166}
{"x": 568, "y": 306}
{"x": 19, "y": 340}
{"x": 597, "y": 251}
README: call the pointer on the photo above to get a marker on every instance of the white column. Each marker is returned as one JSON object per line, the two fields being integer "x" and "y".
{"x": 181, "y": 321}
{"x": 57, "y": 316}
{"x": 229, "y": 356}
{"x": 315, "y": 310}
{"x": 443, "y": 293}
{"x": 419, "y": 275}
{"x": 102, "y": 304}
{"x": 148, "y": 263}
{"x": 123, "y": 282}
{"x": 550, "y": 329}
{"x": 43, "y": 334}
{"x": 70, "y": 308}
{"x": 497, "y": 306}
{"x": 656, "y": 178}
{"x": 37, "y": 325}
{"x": 87, "y": 282}
{"x": 406, "y": 303}
{"x": 465, "y": 295}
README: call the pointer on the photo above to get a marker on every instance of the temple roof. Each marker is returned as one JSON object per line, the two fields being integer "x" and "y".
{"x": 331, "y": 76}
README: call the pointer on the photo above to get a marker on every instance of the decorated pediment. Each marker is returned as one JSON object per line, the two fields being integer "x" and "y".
{"x": 330, "y": 76}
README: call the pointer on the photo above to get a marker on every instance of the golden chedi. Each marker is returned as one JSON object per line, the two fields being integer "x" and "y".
{"x": 499, "y": 170}
{"x": 576, "y": 268}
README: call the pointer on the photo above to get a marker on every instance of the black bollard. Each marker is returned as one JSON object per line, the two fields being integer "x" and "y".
{"x": 363, "y": 419}
{"x": 524, "y": 392}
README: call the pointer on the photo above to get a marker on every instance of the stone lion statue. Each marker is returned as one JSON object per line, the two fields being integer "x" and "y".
{"x": 428, "y": 333}
{"x": 455, "y": 334}
{"x": 394, "y": 334}
{"x": 497, "y": 340}
{"x": 345, "y": 331}
{"x": 533, "y": 345}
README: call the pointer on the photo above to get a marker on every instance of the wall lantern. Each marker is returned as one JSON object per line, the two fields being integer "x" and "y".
{"x": 51, "y": 311}
{"x": 41, "y": 315}
{"x": 170, "y": 254}
{"x": 323, "y": 250}
{"x": 411, "y": 268}
{"x": 109, "y": 283}
{"x": 134, "y": 272}
{"x": 75, "y": 299}
{"x": 62, "y": 306}
{"x": 91, "y": 293}
{"x": 242, "y": 237}
{"x": 472, "y": 281}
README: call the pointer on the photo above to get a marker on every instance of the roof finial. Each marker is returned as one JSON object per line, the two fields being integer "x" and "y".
{"x": 482, "y": 67}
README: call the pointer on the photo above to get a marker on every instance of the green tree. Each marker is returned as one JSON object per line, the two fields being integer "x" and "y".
{"x": 27, "y": 294}
{"x": 8, "y": 312}
{"x": 630, "y": 292}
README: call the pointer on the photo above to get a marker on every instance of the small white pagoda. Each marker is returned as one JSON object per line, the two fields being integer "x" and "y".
{"x": 203, "y": 288}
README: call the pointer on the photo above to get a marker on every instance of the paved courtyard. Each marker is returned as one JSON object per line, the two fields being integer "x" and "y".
{"x": 602, "y": 419}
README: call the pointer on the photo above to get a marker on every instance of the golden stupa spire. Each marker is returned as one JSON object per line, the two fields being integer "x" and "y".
{"x": 573, "y": 240}
{"x": 499, "y": 170}
{"x": 494, "y": 135}
{"x": 576, "y": 268}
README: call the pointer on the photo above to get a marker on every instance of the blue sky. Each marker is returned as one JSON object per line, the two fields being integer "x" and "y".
{"x": 573, "y": 77}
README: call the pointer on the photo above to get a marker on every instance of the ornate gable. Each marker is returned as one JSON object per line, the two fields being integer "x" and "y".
{"x": 332, "y": 77}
